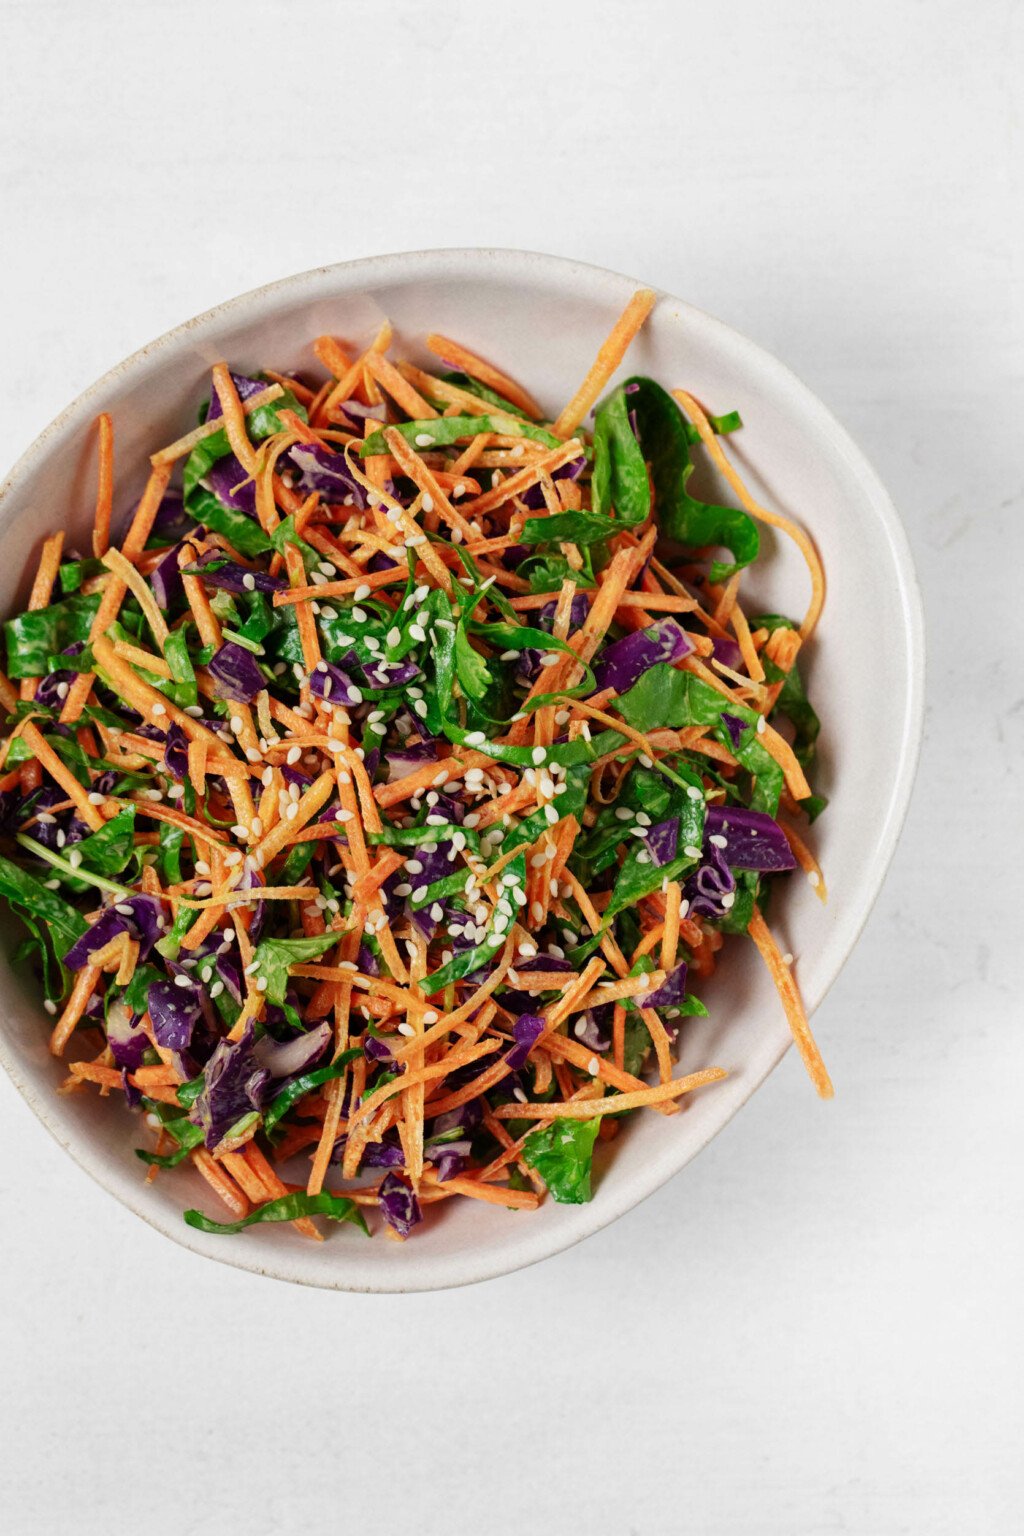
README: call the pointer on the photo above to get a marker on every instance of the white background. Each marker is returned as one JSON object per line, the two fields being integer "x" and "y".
{"x": 817, "y": 1327}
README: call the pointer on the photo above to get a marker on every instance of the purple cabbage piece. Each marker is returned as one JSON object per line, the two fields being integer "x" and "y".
{"x": 378, "y": 1051}
{"x": 52, "y": 689}
{"x": 672, "y": 990}
{"x": 176, "y": 751}
{"x": 367, "y": 961}
{"x": 466, "y": 1118}
{"x": 251, "y": 880}
{"x": 710, "y": 881}
{"x": 526, "y": 1031}
{"x": 735, "y": 726}
{"x": 662, "y": 841}
{"x": 303, "y": 780}
{"x": 318, "y": 469}
{"x": 132, "y": 1095}
{"x": 727, "y": 652}
{"x": 624, "y": 662}
{"x": 229, "y": 576}
{"x": 230, "y": 973}
{"x": 594, "y": 1028}
{"x": 381, "y": 675}
{"x": 398, "y": 1205}
{"x": 138, "y": 916}
{"x": 246, "y": 388}
{"x": 357, "y": 410}
{"x": 165, "y": 580}
{"x": 288, "y": 1058}
{"x": 334, "y": 686}
{"x": 127, "y": 1040}
{"x": 172, "y": 523}
{"x": 229, "y": 482}
{"x": 753, "y": 839}
{"x": 382, "y": 1154}
{"x": 404, "y": 760}
{"x": 175, "y": 1007}
{"x": 447, "y": 1160}
{"x": 578, "y": 610}
{"x": 235, "y": 673}
{"x": 234, "y": 1084}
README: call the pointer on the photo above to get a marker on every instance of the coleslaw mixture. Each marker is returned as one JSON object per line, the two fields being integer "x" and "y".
{"x": 377, "y": 807}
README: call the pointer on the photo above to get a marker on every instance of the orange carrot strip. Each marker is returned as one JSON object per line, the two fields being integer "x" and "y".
{"x": 514, "y": 485}
{"x": 458, "y": 356}
{"x": 234, "y": 418}
{"x": 275, "y": 1188}
{"x": 184, "y": 445}
{"x": 808, "y": 863}
{"x": 220, "y": 1182}
{"x": 105, "y": 486}
{"x": 585, "y": 1109}
{"x": 513, "y": 1199}
{"x": 411, "y": 464}
{"x": 612, "y": 351}
{"x": 57, "y": 770}
{"x": 789, "y": 994}
{"x": 114, "y": 591}
{"x": 85, "y": 985}
{"x": 802, "y": 540}
{"x": 333, "y": 356}
{"x": 399, "y": 388}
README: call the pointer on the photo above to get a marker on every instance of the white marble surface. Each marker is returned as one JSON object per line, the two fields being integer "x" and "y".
{"x": 817, "y": 1327}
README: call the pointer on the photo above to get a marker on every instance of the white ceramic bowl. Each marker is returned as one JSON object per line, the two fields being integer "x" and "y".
{"x": 541, "y": 318}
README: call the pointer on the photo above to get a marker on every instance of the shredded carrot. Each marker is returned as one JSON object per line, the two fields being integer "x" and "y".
{"x": 105, "y": 486}
{"x": 782, "y": 976}
{"x": 457, "y": 356}
{"x": 612, "y": 351}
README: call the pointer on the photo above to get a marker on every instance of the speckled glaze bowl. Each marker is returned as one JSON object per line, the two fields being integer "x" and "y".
{"x": 542, "y": 319}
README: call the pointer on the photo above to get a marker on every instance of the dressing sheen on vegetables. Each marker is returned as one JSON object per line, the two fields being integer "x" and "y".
{"x": 377, "y": 807}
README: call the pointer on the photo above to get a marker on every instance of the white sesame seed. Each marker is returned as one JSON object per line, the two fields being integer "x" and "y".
{"x": 261, "y": 983}
{"x": 249, "y": 581}
{"x": 550, "y": 660}
{"x": 539, "y": 754}
{"x": 424, "y": 440}
{"x": 762, "y": 725}
{"x": 728, "y": 899}
{"x": 718, "y": 841}
{"x": 427, "y": 502}
{"x": 159, "y": 709}
{"x": 362, "y": 591}
{"x": 691, "y": 853}
{"x": 814, "y": 877}
{"x": 182, "y": 981}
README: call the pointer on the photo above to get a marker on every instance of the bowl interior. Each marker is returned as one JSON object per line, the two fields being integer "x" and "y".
{"x": 541, "y": 319}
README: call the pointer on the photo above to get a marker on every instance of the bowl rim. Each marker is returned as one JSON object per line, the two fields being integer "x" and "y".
{"x": 506, "y": 264}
